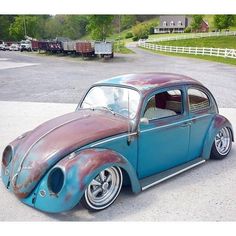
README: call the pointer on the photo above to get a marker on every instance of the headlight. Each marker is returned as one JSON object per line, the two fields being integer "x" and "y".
{"x": 56, "y": 180}
{"x": 7, "y": 155}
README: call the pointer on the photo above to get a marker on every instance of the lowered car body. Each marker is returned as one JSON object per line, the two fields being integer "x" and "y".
{"x": 136, "y": 130}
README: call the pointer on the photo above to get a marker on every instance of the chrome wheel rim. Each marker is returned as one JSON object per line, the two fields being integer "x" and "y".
{"x": 104, "y": 188}
{"x": 222, "y": 141}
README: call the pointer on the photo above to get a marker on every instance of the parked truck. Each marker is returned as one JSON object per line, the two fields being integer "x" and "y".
{"x": 35, "y": 45}
{"x": 104, "y": 48}
{"x": 86, "y": 49}
{"x": 69, "y": 46}
{"x": 25, "y": 45}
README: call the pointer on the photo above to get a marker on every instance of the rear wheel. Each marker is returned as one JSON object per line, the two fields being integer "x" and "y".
{"x": 222, "y": 144}
{"x": 103, "y": 189}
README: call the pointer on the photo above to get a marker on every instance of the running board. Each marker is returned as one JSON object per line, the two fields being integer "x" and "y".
{"x": 158, "y": 178}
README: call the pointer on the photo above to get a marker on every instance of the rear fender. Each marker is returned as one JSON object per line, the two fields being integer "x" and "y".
{"x": 218, "y": 123}
{"x": 79, "y": 170}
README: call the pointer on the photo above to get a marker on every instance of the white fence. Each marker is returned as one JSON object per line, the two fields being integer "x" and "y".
{"x": 218, "y": 52}
{"x": 192, "y": 36}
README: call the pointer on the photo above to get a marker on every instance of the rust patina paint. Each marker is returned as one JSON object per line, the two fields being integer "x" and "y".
{"x": 43, "y": 151}
{"x": 219, "y": 121}
{"x": 146, "y": 82}
{"x": 87, "y": 162}
{"x": 95, "y": 160}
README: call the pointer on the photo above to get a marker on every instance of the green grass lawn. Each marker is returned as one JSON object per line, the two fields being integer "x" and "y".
{"x": 230, "y": 61}
{"x": 215, "y": 42}
{"x": 119, "y": 47}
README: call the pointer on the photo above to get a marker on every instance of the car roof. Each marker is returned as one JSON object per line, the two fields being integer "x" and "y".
{"x": 146, "y": 82}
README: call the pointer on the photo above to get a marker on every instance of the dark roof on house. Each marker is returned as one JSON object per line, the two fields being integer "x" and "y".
{"x": 145, "y": 82}
{"x": 176, "y": 19}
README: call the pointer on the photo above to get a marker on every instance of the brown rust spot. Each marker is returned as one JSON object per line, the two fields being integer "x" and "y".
{"x": 219, "y": 120}
{"x": 61, "y": 141}
{"x": 96, "y": 159}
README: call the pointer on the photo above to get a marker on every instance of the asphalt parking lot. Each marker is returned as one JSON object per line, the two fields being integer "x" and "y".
{"x": 36, "y": 88}
{"x": 28, "y": 77}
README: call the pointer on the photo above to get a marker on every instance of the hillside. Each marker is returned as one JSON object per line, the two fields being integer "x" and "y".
{"x": 214, "y": 42}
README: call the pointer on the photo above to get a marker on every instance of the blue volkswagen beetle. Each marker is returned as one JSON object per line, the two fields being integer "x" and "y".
{"x": 136, "y": 130}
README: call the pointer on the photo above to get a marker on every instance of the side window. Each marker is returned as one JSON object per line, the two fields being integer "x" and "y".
{"x": 198, "y": 100}
{"x": 164, "y": 104}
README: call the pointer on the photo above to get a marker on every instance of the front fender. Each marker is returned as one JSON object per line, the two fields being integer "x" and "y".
{"x": 79, "y": 170}
{"x": 218, "y": 123}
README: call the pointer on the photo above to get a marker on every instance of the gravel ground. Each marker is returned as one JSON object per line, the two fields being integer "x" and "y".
{"x": 30, "y": 77}
{"x": 205, "y": 193}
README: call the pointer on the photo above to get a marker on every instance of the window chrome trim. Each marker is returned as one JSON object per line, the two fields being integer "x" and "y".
{"x": 204, "y": 91}
{"x": 176, "y": 123}
{"x": 180, "y": 88}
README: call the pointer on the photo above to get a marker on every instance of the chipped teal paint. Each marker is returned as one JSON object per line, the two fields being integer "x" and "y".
{"x": 154, "y": 148}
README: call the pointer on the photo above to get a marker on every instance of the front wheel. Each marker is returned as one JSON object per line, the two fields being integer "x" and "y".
{"x": 103, "y": 189}
{"x": 222, "y": 144}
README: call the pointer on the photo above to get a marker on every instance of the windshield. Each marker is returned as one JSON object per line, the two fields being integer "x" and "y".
{"x": 114, "y": 99}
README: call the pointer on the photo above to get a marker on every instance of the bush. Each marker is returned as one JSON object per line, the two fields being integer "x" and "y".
{"x": 128, "y": 35}
{"x": 141, "y": 31}
{"x": 135, "y": 38}
{"x": 151, "y": 30}
{"x": 188, "y": 30}
{"x": 120, "y": 38}
{"x": 144, "y": 36}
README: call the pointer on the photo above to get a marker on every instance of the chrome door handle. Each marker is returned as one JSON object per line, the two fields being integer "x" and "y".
{"x": 188, "y": 123}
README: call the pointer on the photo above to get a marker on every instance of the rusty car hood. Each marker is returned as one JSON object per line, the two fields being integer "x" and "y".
{"x": 56, "y": 138}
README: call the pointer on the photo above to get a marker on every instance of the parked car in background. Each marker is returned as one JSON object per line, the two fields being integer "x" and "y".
{"x": 25, "y": 45}
{"x": 3, "y": 47}
{"x": 14, "y": 47}
{"x": 104, "y": 48}
{"x": 7, "y": 46}
{"x": 135, "y": 130}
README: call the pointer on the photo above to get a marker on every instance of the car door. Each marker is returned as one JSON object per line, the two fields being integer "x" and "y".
{"x": 163, "y": 142}
{"x": 201, "y": 112}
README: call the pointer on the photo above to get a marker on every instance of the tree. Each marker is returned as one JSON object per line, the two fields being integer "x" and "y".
{"x": 127, "y": 21}
{"x": 100, "y": 26}
{"x": 5, "y": 22}
{"x": 75, "y": 26}
{"x": 30, "y": 25}
{"x": 223, "y": 21}
{"x": 196, "y": 22}
{"x": 141, "y": 31}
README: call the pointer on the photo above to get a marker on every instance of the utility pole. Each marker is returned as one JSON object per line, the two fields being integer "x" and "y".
{"x": 119, "y": 34}
{"x": 25, "y": 27}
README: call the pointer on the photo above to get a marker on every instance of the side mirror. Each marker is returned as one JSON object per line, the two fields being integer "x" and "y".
{"x": 144, "y": 121}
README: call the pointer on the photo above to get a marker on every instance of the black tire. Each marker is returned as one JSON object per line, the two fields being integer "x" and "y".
{"x": 216, "y": 152}
{"x": 109, "y": 191}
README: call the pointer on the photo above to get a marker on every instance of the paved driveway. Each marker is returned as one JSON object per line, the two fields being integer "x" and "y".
{"x": 29, "y": 77}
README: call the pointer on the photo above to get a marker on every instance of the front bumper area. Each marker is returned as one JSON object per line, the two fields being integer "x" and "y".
{"x": 42, "y": 199}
